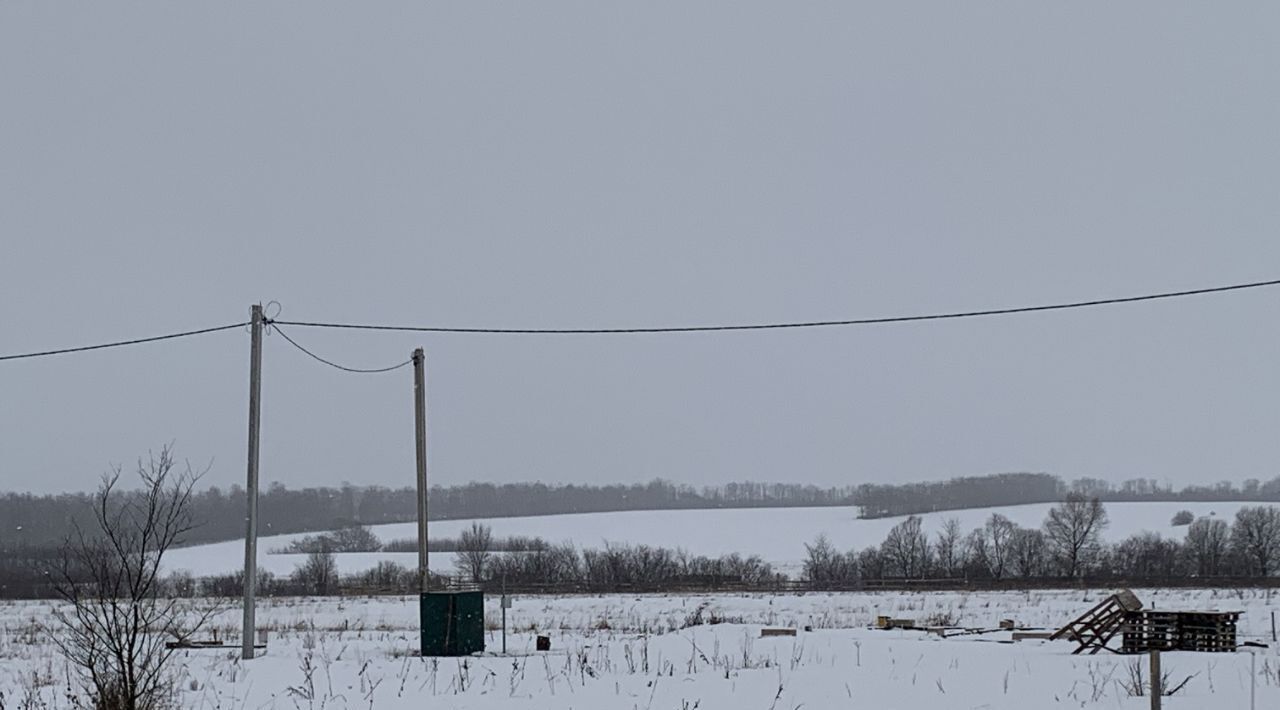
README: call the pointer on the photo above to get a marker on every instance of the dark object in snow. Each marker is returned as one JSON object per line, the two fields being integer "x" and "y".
{"x": 452, "y": 623}
{"x": 1205, "y": 631}
{"x": 885, "y": 622}
{"x": 777, "y": 632}
{"x": 215, "y": 642}
{"x": 543, "y": 643}
{"x": 1143, "y": 630}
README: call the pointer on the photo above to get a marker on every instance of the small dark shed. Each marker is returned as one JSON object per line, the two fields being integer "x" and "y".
{"x": 452, "y": 623}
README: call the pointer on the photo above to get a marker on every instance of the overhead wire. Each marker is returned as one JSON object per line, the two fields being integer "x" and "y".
{"x": 122, "y": 343}
{"x": 794, "y": 324}
{"x": 330, "y": 363}
{"x": 954, "y": 315}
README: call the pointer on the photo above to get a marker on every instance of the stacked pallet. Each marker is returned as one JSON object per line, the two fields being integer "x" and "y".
{"x": 1142, "y": 630}
{"x": 1204, "y": 631}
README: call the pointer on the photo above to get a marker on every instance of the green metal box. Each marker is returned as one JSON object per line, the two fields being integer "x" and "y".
{"x": 452, "y": 623}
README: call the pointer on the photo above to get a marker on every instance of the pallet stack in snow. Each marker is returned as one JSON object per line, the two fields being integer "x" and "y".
{"x": 1163, "y": 630}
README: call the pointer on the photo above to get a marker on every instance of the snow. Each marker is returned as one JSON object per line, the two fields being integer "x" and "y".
{"x": 646, "y": 651}
{"x": 776, "y": 534}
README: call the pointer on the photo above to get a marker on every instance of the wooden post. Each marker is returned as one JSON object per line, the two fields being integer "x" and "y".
{"x": 420, "y": 440}
{"x": 251, "y": 488}
{"x": 1155, "y": 680}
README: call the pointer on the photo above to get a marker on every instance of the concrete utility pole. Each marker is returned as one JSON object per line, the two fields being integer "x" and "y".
{"x": 1157, "y": 692}
{"x": 251, "y": 489}
{"x": 420, "y": 439}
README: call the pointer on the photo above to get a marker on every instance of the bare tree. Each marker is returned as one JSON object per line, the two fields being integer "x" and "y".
{"x": 977, "y": 552}
{"x": 474, "y": 551}
{"x": 870, "y": 563}
{"x": 824, "y": 563}
{"x": 1027, "y": 552}
{"x": 1207, "y": 546}
{"x": 387, "y": 575}
{"x": 116, "y": 621}
{"x": 906, "y": 548}
{"x": 988, "y": 546}
{"x": 318, "y": 574}
{"x": 948, "y": 551}
{"x": 1256, "y": 538}
{"x": 1146, "y": 554}
{"x": 1073, "y": 529}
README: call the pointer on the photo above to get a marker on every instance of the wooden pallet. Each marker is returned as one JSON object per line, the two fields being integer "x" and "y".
{"x": 1203, "y": 631}
{"x": 1095, "y": 628}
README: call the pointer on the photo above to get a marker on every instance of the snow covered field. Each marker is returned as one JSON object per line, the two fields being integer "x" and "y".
{"x": 776, "y": 534}
{"x": 676, "y": 653}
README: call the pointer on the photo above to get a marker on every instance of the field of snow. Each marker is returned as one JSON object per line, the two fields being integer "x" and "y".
{"x": 675, "y": 652}
{"x": 776, "y": 534}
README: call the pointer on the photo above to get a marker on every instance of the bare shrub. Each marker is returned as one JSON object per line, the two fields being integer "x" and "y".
{"x": 352, "y": 538}
{"x": 474, "y": 550}
{"x": 318, "y": 575}
{"x": 825, "y": 564}
{"x": 116, "y": 620}
{"x": 1135, "y": 684}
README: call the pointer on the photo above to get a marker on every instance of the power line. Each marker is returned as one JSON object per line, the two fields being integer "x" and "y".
{"x": 665, "y": 329}
{"x": 796, "y": 324}
{"x": 122, "y": 343}
{"x": 330, "y": 363}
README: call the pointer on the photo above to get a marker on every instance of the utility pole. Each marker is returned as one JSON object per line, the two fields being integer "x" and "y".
{"x": 420, "y": 439}
{"x": 1157, "y": 692}
{"x": 251, "y": 490}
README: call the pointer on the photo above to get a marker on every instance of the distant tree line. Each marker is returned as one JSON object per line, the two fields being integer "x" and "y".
{"x": 33, "y": 526}
{"x": 600, "y": 569}
{"x": 28, "y": 520}
{"x": 880, "y": 500}
{"x": 358, "y": 538}
{"x": 559, "y": 567}
{"x": 1066, "y": 546}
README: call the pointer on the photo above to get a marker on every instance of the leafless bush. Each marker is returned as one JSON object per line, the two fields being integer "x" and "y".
{"x": 1135, "y": 683}
{"x": 939, "y": 618}
{"x": 474, "y": 551}
{"x": 513, "y": 543}
{"x": 824, "y": 563}
{"x": 353, "y": 538}
{"x": 387, "y": 575}
{"x": 116, "y": 620}
{"x": 318, "y": 575}
{"x": 232, "y": 585}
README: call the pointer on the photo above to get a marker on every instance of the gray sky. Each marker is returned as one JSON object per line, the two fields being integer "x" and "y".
{"x": 550, "y": 164}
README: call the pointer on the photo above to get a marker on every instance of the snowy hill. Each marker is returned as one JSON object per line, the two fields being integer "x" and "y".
{"x": 776, "y": 534}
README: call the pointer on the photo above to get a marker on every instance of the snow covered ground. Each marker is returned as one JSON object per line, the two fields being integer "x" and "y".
{"x": 776, "y": 534}
{"x": 654, "y": 651}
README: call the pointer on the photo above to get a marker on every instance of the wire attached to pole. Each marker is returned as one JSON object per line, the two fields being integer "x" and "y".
{"x": 797, "y": 324}
{"x": 667, "y": 329}
{"x": 122, "y": 343}
{"x": 330, "y": 363}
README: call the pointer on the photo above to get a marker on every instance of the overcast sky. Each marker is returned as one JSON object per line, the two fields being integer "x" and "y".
{"x": 554, "y": 164}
